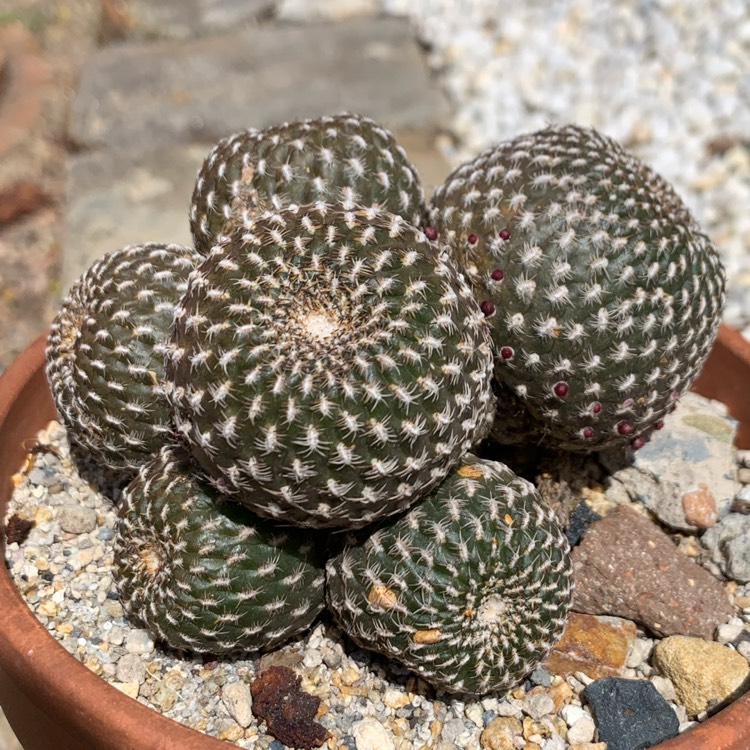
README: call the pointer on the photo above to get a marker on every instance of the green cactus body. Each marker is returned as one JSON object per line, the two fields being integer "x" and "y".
{"x": 206, "y": 575}
{"x": 330, "y": 366}
{"x": 345, "y": 159}
{"x": 604, "y": 295}
{"x": 470, "y": 589}
{"x": 106, "y": 348}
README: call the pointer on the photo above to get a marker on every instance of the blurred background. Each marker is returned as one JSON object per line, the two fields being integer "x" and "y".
{"x": 107, "y": 108}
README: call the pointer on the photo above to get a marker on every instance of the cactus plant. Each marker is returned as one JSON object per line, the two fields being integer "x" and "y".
{"x": 604, "y": 295}
{"x": 204, "y": 574}
{"x": 105, "y": 352}
{"x": 470, "y": 589}
{"x": 330, "y": 366}
{"x": 344, "y": 158}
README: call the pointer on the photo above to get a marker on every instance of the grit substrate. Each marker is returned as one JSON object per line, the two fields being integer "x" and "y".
{"x": 66, "y": 578}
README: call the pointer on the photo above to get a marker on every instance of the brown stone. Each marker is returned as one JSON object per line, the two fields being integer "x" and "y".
{"x": 23, "y": 74}
{"x": 500, "y": 733}
{"x": 700, "y": 507}
{"x": 596, "y": 646}
{"x": 627, "y": 567}
{"x": 19, "y": 199}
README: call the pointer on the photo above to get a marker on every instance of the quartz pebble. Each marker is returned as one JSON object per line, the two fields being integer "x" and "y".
{"x": 238, "y": 701}
{"x": 370, "y": 734}
{"x": 582, "y": 730}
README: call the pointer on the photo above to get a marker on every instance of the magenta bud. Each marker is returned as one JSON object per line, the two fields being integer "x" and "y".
{"x": 596, "y": 407}
{"x": 498, "y": 274}
{"x": 637, "y": 442}
{"x": 430, "y": 233}
{"x": 472, "y": 239}
{"x": 587, "y": 432}
{"x": 504, "y": 234}
{"x": 659, "y": 425}
{"x": 624, "y": 428}
{"x": 507, "y": 352}
{"x": 487, "y": 307}
{"x": 561, "y": 389}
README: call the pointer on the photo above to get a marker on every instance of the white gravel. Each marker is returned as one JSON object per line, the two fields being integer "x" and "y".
{"x": 670, "y": 79}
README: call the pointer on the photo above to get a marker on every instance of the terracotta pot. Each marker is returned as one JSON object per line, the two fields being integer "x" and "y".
{"x": 53, "y": 701}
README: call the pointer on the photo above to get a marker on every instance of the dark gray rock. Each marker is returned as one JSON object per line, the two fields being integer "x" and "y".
{"x": 581, "y": 517}
{"x": 134, "y": 95}
{"x": 630, "y": 714}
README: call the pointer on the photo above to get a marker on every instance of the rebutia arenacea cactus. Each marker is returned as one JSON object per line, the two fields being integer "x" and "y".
{"x": 345, "y": 158}
{"x": 604, "y": 295}
{"x": 330, "y": 366}
{"x": 470, "y": 588}
{"x": 105, "y": 352}
{"x": 206, "y": 575}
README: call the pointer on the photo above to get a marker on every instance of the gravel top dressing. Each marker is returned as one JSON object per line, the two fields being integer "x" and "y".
{"x": 60, "y": 554}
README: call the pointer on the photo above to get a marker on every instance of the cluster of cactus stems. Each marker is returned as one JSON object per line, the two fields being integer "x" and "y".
{"x": 330, "y": 354}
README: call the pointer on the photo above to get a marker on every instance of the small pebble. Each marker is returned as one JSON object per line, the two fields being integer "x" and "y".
{"x": 75, "y": 519}
{"x": 538, "y": 705}
{"x": 370, "y": 734}
{"x": 730, "y": 631}
{"x": 139, "y": 642}
{"x": 130, "y": 668}
{"x": 571, "y": 714}
{"x": 582, "y": 730}
{"x": 238, "y": 701}
{"x": 540, "y": 676}
{"x": 452, "y": 729}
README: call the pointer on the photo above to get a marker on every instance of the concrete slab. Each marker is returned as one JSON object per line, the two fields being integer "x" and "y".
{"x": 134, "y": 96}
{"x": 120, "y": 198}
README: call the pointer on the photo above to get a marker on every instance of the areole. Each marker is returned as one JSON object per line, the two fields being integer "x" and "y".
{"x": 53, "y": 701}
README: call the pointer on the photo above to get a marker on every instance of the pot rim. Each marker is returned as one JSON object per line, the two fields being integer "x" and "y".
{"x": 34, "y": 660}
{"x": 31, "y": 657}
